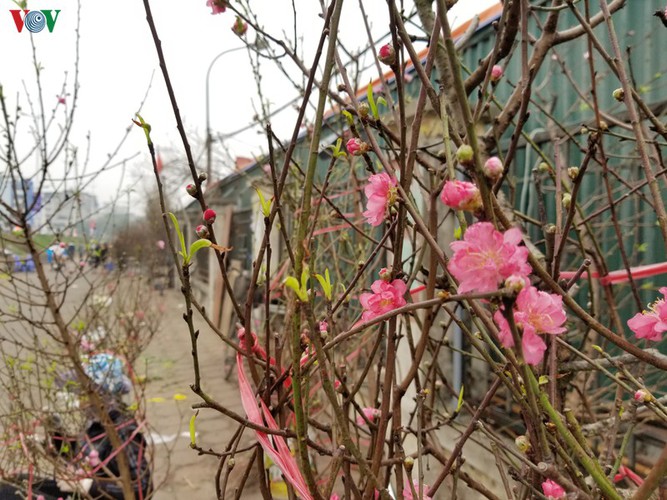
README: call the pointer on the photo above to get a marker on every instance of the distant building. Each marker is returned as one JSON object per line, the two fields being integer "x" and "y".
{"x": 62, "y": 212}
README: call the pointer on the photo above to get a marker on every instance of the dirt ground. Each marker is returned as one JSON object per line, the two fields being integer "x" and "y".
{"x": 179, "y": 471}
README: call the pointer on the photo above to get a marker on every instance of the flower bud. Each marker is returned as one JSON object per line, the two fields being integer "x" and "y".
{"x": 515, "y": 282}
{"x": 385, "y": 274}
{"x": 567, "y": 201}
{"x": 465, "y": 154}
{"x": 324, "y": 327}
{"x": 496, "y": 73}
{"x": 543, "y": 168}
{"x": 341, "y": 87}
{"x": 192, "y": 190}
{"x": 573, "y": 172}
{"x": 240, "y": 26}
{"x": 643, "y": 396}
{"x": 387, "y": 54}
{"x": 357, "y": 147}
{"x": 363, "y": 110}
{"x": 493, "y": 168}
{"x": 209, "y": 215}
{"x": 202, "y": 231}
{"x": 522, "y": 443}
{"x": 338, "y": 385}
{"x": 203, "y": 176}
{"x": 604, "y": 126}
{"x": 409, "y": 463}
{"x": 619, "y": 94}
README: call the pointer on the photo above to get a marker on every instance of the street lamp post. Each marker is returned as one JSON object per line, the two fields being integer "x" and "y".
{"x": 208, "y": 115}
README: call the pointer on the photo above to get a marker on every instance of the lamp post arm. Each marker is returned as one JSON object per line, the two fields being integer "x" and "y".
{"x": 208, "y": 109}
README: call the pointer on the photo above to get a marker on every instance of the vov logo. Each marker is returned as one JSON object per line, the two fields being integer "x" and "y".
{"x": 34, "y": 20}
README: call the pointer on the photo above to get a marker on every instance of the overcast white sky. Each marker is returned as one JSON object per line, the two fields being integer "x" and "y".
{"x": 118, "y": 59}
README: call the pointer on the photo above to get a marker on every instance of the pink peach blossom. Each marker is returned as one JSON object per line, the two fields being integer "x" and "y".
{"x": 461, "y": 195}
{"x": 385, "y": 297}
{"x": 407, "y": 491}
{"x": 370, "y": 413}
{"x": 381, "y": 194}
{"x": 486, "y": 257}
{"x": 217, "y": 6}
{"x": 553, "y": 490}
{"x": 357, "y": 147}
{"x": 651, "y": 323}
{"x": 534, "y": 312}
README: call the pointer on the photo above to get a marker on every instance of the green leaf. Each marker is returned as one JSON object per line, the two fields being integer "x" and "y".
{"x": 193, "y": 433}
{"x": 325, "y": 283}
{"x": 266, "y": 205}
{"x": 337, "y": 149}
{"x": 305, "y": 274}
{"x": 196, "y": 246}
{"x": 459, "y": 404}
{"x": 457, "y": 233}
{"x": 174, "y": 221}
{"x": 291, "y": 282}
{"x": 371, "y": 101}
{"x": 348, "y": 116}
{"x": 543, "y": 380}
{"x": 382, "y": 100}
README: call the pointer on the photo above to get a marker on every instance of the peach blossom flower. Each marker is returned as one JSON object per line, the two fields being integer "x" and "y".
{"x": 217, "y": 6}
{"x": 553, "y": 490}
{"x": 407, "y": 491}
{"x": 486, "y": 257}
{"x": 370, "y": 413}
{"x": 357, "y": 147}
{"x": 381, "y": 194}
{"x": 461, "y": 195}
{"x": 534, "y": 312}
{"x": 385, "y": 297}
{"x": 651, "y": 323}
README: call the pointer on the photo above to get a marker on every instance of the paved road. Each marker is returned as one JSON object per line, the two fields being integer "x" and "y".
{"x": 170, "y": 373}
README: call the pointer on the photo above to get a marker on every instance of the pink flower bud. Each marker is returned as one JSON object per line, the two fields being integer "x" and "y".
{"x": 516, "y": 283}
{"x": 493, "y": 168}
{"x": 461, "y": 195}
{"x": 496, "y": 73}
{"x": 324, "y": 326}
{"x": 385, "y": 274}
{"x": 357, "y": 147}
{"x": 387, "y": 54}
{"x": 192, "y": 190}
{"x": 202, "y": 231}
{"x": 552, "y": 490}
{"x": 94, "y": 458}
{"x": 642, "y": 396}
{"x": 209, "y": 215}
{"x": 337, "y": 384}
{"x": 240, "y": 26}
